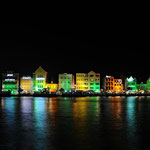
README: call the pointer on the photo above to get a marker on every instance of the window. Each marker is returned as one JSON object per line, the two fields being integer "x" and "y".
{"x": 91, "y": 75}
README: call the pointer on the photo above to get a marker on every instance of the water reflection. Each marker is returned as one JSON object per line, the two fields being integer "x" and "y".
{"x": 74, "y": 123}
{"x": 39, "y": 122}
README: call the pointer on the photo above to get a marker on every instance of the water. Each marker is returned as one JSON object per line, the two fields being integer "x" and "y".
{"x": 87, "y": 123}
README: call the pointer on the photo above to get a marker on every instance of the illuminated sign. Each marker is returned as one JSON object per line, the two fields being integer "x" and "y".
{"x": 40, "y": 78}
{"x": 10, "y": 80}
{"x": 9, "y": 75}
{"x": 26, "y": 78}
{"x": 108, "y": 76}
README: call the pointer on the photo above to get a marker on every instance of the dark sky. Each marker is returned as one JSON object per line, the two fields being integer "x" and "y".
{"x": 72, "y": 47}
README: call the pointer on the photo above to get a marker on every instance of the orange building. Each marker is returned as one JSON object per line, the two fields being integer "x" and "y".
{"x": 113, "y": 85}
{"x": 118, "y": 86}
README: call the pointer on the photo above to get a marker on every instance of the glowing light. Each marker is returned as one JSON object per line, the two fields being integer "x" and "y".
{"x": 10, "y": 80}
{"x": 40, "y": 78}
{"x": 108, "y": 76}
{"x": 9, "y": 75}
{"x": 130, "y": 79}
{"x": 26, "y": 78}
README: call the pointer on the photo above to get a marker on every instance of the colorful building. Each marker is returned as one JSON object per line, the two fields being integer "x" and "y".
{"x": 142, "y": 87}
{"x": 82, "y": 82}
{"x": 52, "y": 87}
{"x": 39, "y": 80}
{"x": 26, "y": 84}
{"x": 131, "y": 85}
{"x": 113, "y": 85}
{"x": 94, "y": 81}
{"x": 10, "y": 82}
{"x": 66, "y": 82}
{"x": 118, "y": 86}
{"x": 88, "y": 81}
{"x": 109, "y": 84}
{"x": 148, "y": 85}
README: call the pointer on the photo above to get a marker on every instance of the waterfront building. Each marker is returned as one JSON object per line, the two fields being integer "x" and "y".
{"x": 39, "y": 80}
{"x": 10, "y": 82}
{"x": 26, "y": 84}
{"x": 131, "y": 85}
{"x": 141, "y": 87}
{"x": 118, "y": 86}
{"x": 148, "y": 85}
{"x": 82, "y": 82}
{"x": 94, "y": 81}
{"x": 88, "y": 81}
{"x": 113, "y": 85}
{"x": 66, "y": 82}
{"x": 52, "y": 87}
{"x": 109, "y": 84}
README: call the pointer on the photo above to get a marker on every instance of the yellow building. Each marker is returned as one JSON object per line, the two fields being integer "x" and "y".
{"x": 52, "y": 87}
{"x": 81, "y": 81}
{"x": 88, "y": 81}
{"x": 26, "y": 84}
{"x": 39, "y": 79}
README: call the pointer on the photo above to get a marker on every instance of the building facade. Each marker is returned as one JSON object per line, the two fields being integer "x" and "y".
{"x": 39, "y": 80}
{"x": 82, "y": 82}
{"x": 52, "y": 87}
{"x": 66, "y": 82}
{"x": 148, "y": 85}
{"x": 10, "y": 82}
{"x": 142, "y": 87}
{"x": 26, "y": 84}
{"x": 131, "y": 85}
{"x": 118, "y": 86}
{"x": 109, "y": 84}
{"x": 88, "y": 81}
{"x": 113, "y": 85}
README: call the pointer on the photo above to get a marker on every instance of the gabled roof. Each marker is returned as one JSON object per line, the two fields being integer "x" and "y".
{"x": 40, "y": 69}
{"x": 131, "y": 79}
{"x": 91, "y": 72}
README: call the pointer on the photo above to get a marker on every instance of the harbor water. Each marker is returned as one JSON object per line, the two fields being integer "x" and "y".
{"x": 79, "y": 123}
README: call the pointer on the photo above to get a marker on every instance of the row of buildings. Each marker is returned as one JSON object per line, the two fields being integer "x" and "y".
{"x": 38, "y": 82}
{"x": 130, "y": 85}
{"x": 85, "y": 82}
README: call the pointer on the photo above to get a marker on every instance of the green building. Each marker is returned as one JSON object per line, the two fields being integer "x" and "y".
{"x": 142, "y": 87}
{"x": 148, "y": 85}
{"x": 10, "y": 82}
{"x": 39, "y": 80}
{"x": 66, "y": 82}
{"x": 131, "y": 85}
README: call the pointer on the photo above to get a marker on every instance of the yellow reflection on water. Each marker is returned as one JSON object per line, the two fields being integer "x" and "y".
{"x": 2, "y": 103}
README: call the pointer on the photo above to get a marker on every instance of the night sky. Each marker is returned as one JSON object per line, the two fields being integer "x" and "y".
{"x": 70, "y": 48}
